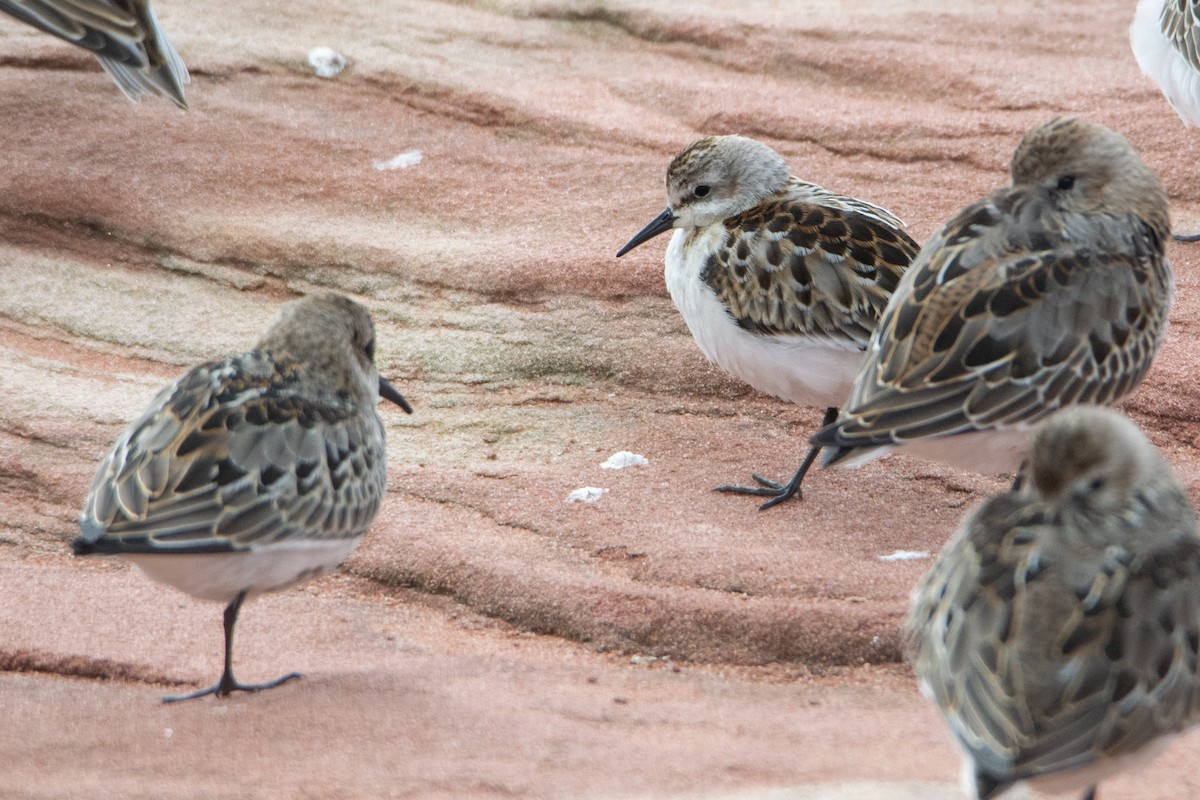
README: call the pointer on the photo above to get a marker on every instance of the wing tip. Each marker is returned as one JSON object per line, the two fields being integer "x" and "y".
{"x": 90, "y": 541}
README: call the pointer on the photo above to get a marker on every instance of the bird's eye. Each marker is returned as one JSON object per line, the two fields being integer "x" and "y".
{"x": 702, "y": 190}
{"x": 1097, "y": 484}
{"x": 1066, "y": 183}
{"x": 370, "y": 349}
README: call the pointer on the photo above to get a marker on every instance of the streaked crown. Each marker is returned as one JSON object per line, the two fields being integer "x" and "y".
{"x": 720, "y": 176}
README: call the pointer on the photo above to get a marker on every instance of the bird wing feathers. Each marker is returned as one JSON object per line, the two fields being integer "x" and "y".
{"x": 96, "y": 25}
{"x": 125, "y": 36}
{"x": 985, "y": 334}
{"x": 810, "y": 263}
{"x": 1179, "y": 25}
{"x": 232, "y": 456}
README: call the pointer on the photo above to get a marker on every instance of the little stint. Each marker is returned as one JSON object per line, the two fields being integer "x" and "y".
{"x": 252, "y": 473}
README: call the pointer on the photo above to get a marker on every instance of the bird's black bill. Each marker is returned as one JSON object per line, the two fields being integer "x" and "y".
{"x": 663, "y": 222}
{"x": 388, "y": 392}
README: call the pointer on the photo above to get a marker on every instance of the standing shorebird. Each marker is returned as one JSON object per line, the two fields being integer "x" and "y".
{"x": 253, "y": 473}
{"x": 781, "y": 282}
{"x": 1059, "y": 631}
{"x": 1165, "y": 37}
{"x": 123, "y": 35}
{"x": 1051, "y": 293}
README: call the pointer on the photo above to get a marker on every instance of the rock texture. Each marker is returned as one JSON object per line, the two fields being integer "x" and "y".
{"x": 490, "y": 639}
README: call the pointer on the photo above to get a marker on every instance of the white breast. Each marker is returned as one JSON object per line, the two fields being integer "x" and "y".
{"x": 802, "y": 370}
{"x": 1178, "y": 80}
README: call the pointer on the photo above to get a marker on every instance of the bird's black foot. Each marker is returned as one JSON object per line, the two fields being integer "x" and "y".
{"x": 228, "y": 685}
{"x": 1186, "y": 237}
{"x": 778, "y": 492}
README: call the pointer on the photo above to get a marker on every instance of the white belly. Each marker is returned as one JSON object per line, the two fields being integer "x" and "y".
{"x": 997, "y": 452}
{"x": 222, "y": 576}
{"x": 1178, "y": 80}
{"x": 802, "y": 370}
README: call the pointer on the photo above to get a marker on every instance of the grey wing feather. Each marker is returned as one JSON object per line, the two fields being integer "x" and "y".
{"x": 99, "y": 26}
{"x": 229, "y": 457}
{"x": 124, "y": 36}
{"x": 164, "y": 73}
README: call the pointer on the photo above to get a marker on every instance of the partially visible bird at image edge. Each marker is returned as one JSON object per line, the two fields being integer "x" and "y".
{"x": 123, "y": 35}
{"x": 1058, "y": 633}
{"x": 1165, "y": 38}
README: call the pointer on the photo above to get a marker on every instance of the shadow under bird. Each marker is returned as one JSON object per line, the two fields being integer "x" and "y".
{"x": 780, "y": 281}
{"x": 123, "y": 35}
{"x": 253, "y": 473}
{"x": 1051, "y": 293}
{"x": 1058, "y": 633}
{"x": 1165, "y": 37}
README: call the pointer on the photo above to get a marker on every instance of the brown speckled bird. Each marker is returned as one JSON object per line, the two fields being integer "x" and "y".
{"x": 123, "y": 35}
{"x": 781, "y": 282}
{"x": 253, "y": 473}
{"x": 1059, "y": 631}
{"x": 1051, "y": 293}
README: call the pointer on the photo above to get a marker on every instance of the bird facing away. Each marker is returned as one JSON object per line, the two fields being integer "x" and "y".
{"x": 781, "y": 282}
{"x": 1165, "y": 36}
{"x": 1058, "y": 632}
{"x": 253, "y": 473}
{"x": 1050, "y": 293}
{"x": 123, "y": 35}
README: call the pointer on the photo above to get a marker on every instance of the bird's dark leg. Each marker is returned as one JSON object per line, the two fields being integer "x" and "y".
{"x": 776, "y": 491}
{"x": 1020, "y": 478}
{"x": 228, "y": 684}
{"x": 1186, "y": 237}
{"x": 1090, "y": 794}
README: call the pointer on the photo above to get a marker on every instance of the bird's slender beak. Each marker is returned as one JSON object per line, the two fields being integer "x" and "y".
{"x": 388, "y": 392}
{"x": 663, "y": 222}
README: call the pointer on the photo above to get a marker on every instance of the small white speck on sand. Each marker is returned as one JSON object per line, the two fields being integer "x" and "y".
{"x": 326, "y": 62}
{"x": 623, "y": 459}
{"x": 409, "y": 158}
{"x": 587, "y": 494}
{"x": 649, "y": 659}
{"x": 905, "y": 555}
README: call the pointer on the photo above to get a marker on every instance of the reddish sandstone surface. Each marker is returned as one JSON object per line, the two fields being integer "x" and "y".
{"x": 489, "y": 639}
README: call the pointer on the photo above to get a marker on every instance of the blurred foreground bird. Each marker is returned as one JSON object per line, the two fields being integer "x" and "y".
{"x": 122, "y": 34}
{"x": 1051, "y": 293}
{"x": 253, "y": 473}
{"x": 1165, "y": 37}
{"x": 1058, "y": 632}
{"x": 780, "y": 281}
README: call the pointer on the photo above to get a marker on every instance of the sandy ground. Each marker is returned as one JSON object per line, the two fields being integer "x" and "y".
{"x": 489, "y": 639}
